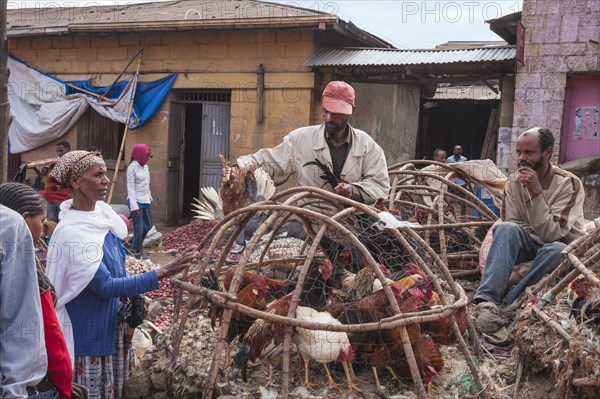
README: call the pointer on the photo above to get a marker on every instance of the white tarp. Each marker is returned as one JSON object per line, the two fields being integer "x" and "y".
{"x": 41, "y": 111}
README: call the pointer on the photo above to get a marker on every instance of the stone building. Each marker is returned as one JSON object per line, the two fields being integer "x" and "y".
{"x": 557, "y": 82}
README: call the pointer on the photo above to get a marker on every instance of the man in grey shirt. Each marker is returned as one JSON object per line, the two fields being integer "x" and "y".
{"x": 23, "y": 360}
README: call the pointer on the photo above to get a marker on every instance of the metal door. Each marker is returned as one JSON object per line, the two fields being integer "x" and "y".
{"x": 174, "y": 174}
{"x": 581, "y": 119}
{"x": 215, "y": 142}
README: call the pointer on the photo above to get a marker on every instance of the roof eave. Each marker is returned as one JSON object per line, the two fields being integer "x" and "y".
{"x": 425, "y": 73}
{"x": 153, "y": 26}
{"x": 506, "y": 26}
{"x": 26, "y": 31}
{"x": 161, "y": 26}
{"x": 349, "y": 29}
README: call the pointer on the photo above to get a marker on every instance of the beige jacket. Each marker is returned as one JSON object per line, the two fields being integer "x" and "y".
{"x": 365, "y": 166}
{"x": 555, "y": 215}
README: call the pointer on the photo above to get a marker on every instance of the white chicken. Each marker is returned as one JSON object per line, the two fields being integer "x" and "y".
{"x": 323, "y": 346}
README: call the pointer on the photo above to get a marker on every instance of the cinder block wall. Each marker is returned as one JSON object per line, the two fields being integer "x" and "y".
{"x": 390, "y": 114}
{"x": 203, "y": 60}
{"x": 561, "y": 38}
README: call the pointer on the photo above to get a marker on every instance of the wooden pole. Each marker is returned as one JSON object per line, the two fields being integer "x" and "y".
{"x": 123, "y": 72}
{"x": 4, "y": 105}
{"x": 260, "y": 93}
{"x": 91, "y": 93}
{"x": 114, "y": 179}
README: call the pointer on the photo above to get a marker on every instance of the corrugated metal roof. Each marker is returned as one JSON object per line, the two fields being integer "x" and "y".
{"x": 395, "y": 57}
{"x": 464, "y": 44}
{"x": 471, "y": 92}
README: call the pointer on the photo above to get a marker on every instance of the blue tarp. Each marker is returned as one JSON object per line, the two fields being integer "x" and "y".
{"x": 43, "y": 107}
{"x": 148, "y": 96}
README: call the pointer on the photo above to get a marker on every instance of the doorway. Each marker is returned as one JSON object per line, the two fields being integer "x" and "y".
{"x": 191, "y": 156}
{"x": 446, "y": 123}
{"x": 198, "y": 135}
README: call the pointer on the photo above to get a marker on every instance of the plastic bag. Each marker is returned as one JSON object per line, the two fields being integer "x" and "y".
{"x": 152, "y": 236}
{"x": 141, "y": 341}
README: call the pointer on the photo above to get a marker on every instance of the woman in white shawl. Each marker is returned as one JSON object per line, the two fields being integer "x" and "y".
{"x": 86, "y": 265}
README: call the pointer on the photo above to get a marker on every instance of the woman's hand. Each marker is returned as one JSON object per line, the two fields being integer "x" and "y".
{"x": 179, "y": 263}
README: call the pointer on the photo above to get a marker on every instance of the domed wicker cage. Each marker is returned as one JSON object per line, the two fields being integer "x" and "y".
{"x": 454, "y": 218}
{"x": 332, "y": 224}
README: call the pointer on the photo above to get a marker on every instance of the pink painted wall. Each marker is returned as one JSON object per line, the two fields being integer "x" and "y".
{"x": 581, "y": 121}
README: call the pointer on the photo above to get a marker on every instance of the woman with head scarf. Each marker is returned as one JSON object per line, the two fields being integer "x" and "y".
{"x": 139, "y": 198}
{"x": 86, "y": 265}
{"x": 59, "y": 377}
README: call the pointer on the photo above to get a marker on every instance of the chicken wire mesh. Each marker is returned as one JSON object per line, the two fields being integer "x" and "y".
{"x": 559, "y": 325}
{"x": 359, "y": 287}
{"x": 450, "y": 217}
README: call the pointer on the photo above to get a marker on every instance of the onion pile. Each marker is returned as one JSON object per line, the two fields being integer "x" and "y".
{"x": 165, "y": 290}
{"x": 165, "y": 320}
{"x": 184, "y": 236}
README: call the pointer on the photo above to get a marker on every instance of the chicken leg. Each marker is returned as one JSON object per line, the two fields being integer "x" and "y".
{"x": 307, "y": 383}
{"x": 347, "y": 367}
{"x": 330, "y": 377}
{"x": 270, "y": 380}
{"x": 392, "y": 372}
{"x": 228, "y": 356}
{"x": 377, "y": 384}
{"x": 353, "y": 376}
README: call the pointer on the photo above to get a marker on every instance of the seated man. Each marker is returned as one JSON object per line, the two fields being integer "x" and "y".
{"x": 541, "y": 212}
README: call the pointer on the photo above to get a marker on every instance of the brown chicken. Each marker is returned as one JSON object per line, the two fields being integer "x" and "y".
{"x": 241, "y": 187}
{"x": 441, "y": 330}
{"x": 381, "y": 205}
{"x": 584, "y": 297}
{"x": 233, "y": 186}
{"x": 379, "y": 348}
{"x": 252, "y": 295}
{"x": 383, "y": 348}
{"x": 263, "y": 336}
{"x": 410, "y": 281}
{"x": 275, "y": 288}
{"x": 427, "y": 356}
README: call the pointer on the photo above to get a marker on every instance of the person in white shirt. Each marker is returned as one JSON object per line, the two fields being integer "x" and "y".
{"x": 139, "y": 197}
{"x": 457, "y": 158}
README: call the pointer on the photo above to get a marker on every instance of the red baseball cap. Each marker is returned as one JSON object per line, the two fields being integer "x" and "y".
{"x": 338, "y": 97}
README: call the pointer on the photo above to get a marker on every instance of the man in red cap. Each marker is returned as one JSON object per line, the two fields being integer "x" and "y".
{"x": 334, "y": 155}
